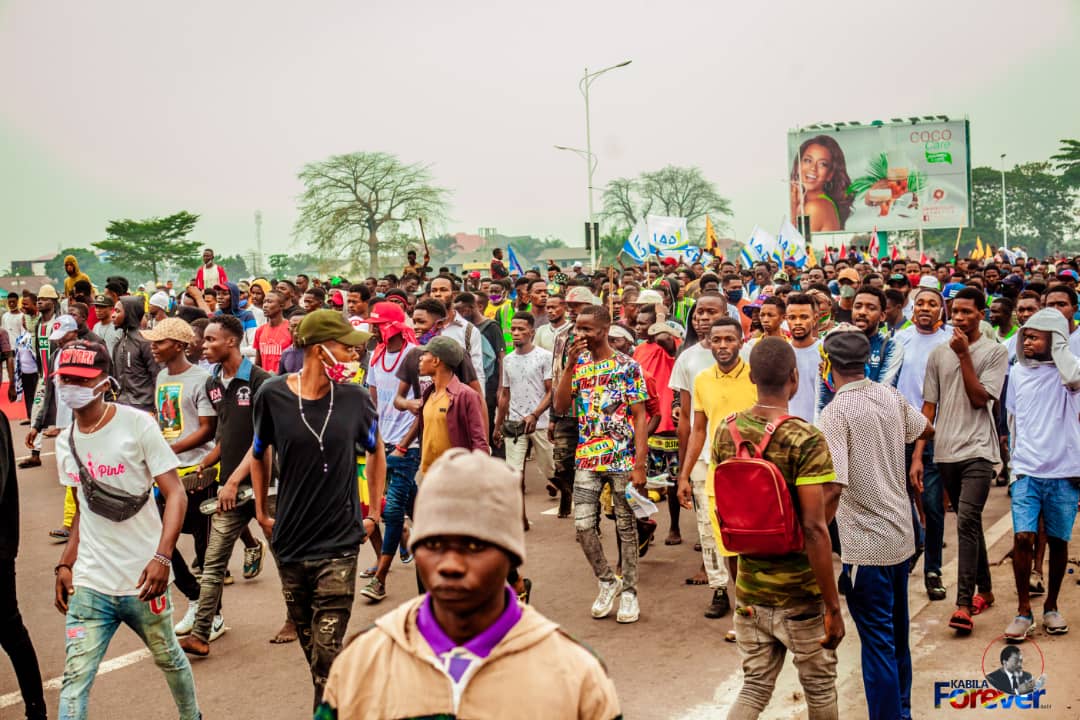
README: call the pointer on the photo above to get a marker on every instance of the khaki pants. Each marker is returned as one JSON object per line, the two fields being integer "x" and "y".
{"x": 765, "y": 635}
{"x": 715, "y": 567}
{"x": 518, "y": 448}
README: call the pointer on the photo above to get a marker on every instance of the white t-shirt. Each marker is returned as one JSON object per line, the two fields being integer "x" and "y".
{"x": 13, "y": 323}
{"x": 524, "y": 374}
{"x": 808, "y": 361}
{"x": 394, "y": 424}
{"x": 916, "y": 348}
{"x": 127, "y": 453}
{"x": 1047, "y": 432}
{"x": 688, "y": 365}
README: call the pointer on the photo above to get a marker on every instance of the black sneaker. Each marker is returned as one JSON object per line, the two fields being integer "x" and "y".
{"x": 719, "y": 606}
{"x": 645, "y": 531}
{"x": 934, "y": 588}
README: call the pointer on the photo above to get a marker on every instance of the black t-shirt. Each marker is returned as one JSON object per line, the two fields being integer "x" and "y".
{"x": 9, "y": 495}
{"x": 233, "y": 403}
{"x": 409, "y": 371}
{"x": 318, "y": 511}
{"x": 493, "y": 333}
{"x": 840, "y": 315}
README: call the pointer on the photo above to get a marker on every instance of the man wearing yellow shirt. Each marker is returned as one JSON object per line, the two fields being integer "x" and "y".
{"x": 719, "y": 391}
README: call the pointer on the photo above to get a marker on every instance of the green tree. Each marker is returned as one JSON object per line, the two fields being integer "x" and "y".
{"x": 348, "y": 199}
{"x": 284, "y": 265}
{"x": 674, "y": 191}
{"x": 441, "y": 247}
{"x": 150, "y": 245}
{"x": 235, "y": 266}
{"x": 1068, "y": 162}
{"x": 87, "y": 259}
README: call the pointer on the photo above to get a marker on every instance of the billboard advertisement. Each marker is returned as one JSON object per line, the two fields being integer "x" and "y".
{"x": 892, "y": 176}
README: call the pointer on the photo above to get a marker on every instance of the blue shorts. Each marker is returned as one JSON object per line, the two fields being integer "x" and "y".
{"x": 1054, "y": 498}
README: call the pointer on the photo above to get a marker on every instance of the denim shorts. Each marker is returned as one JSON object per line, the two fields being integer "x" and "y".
{"x": 1054, "y": 498}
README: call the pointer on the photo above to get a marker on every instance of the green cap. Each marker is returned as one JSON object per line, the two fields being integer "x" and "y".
{"x": 323, "y": 325}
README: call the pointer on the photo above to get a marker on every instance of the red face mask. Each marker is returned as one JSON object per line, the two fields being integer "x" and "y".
{"x": 914, "y": 279}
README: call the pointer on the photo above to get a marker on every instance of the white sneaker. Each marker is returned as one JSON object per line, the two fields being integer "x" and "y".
{"x": 628, "y": 608}
{"x": 218, "y": 628}
{"x": 188, "y": 621}
{"x": 605, "y": 601}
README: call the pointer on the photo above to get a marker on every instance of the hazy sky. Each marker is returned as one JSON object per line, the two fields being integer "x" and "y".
{"x": 131, "y": 109}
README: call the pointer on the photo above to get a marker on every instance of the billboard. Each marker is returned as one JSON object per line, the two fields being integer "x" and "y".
{"x": 892, "y": 176}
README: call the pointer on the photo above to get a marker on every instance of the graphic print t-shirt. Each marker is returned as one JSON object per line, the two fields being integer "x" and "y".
{"x": 525, "y": 374}
{"x": 180, "y": 401}
{"x": 127, "y": 453}
{"x": 603, "y": 393}
{"x": 318, "y": 510}
{"x": 271, "y": 341}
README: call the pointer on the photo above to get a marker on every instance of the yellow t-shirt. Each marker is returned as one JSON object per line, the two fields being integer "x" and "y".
{"x": 436, "y": 438}
{"x": 719, "y": 394}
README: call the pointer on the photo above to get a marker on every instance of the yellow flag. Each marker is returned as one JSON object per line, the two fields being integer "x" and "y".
{"x": 811, "y": 256}
{"x": 978, "y": 253}
{"x": 711, "y": 241}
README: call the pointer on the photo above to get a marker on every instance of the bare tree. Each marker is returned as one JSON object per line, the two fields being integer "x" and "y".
{"x": 675, "y": 191}
{"x": 347, "y": 199}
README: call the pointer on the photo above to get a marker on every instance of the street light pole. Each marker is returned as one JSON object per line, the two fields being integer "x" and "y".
{"x": 587, "y": 80}
{"x": 1004, "y": 218}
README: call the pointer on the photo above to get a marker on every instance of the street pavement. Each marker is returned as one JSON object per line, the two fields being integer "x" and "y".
{"x": 671, "y": 664}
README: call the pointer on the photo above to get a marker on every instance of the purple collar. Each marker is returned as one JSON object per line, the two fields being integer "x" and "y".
{"x": 479, "y": 646}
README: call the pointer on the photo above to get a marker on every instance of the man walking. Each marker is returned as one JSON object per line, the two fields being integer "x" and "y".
{"x": 963, "y": 381}
{"x": 1043, "y": 396}
{"x": 316, "y": 420}
{"x": 234, "y": 382}
{"x": 606, "y": 391}
{"x": 116, "y": 567}
{"x": 802, "y": 323}
{"x": 272, "y": 337}
{"x": 867, "y": 426}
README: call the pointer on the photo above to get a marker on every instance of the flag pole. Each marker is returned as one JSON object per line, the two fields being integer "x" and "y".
{"x": 611, "y": 292}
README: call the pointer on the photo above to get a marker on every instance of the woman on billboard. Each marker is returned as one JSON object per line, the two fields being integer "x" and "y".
{"x": 819, "y": 182}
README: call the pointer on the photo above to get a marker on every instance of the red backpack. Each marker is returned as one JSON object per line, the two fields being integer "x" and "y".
{"x": 753, "y": 504}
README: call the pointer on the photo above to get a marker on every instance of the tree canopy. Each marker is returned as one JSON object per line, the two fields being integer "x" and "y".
{"x": 151, "y": 245}
{"x": 674, "y": 191}
{"x": 349, "y": 199}
{"x": 1067, "y": 162}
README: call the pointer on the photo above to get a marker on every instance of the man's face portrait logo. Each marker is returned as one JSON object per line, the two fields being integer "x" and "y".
{"x": 1012, "y": 678}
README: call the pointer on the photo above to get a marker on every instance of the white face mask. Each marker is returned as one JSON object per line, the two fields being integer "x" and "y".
{"x": 77, "y": 397}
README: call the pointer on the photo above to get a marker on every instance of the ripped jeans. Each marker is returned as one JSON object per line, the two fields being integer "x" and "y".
{"x": 319, "y": 598}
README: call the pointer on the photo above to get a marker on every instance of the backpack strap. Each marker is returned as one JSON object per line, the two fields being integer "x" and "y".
{"x": 770, "y": 430}
{"x": 743, "y": 448}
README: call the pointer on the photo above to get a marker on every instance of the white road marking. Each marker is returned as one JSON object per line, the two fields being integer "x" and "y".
{"x": 787, "y": 700}
{"x": 117, "y": 663}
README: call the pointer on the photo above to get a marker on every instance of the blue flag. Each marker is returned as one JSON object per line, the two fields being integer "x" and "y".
{"x": 514, "y": 264}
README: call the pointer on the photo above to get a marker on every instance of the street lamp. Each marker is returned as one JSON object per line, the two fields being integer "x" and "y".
{"x": 587, "y": 80}
{"x": 1004, "y": 219}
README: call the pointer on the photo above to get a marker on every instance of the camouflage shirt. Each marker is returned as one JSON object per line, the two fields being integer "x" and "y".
{"x": 801, "y": 453}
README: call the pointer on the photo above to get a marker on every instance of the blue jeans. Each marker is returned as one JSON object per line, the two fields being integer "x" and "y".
{"x": 933, "y": 500}
{"x": 1053, "y": 498}
{"x": 877, "y": 599}
{"x": 400, "y": 494}
{"x": 92, "y": 620}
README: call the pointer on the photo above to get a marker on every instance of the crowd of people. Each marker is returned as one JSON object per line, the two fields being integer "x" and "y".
{"x": 331, "y": 412}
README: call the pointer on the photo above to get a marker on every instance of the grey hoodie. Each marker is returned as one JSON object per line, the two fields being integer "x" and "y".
{"x": 133, "y": 364}
{"x": 1068, "y": 366}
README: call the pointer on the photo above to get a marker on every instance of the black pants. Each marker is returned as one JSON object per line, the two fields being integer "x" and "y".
{"x": 29, "y": 385}
{"x": 16, "y": 643}
{"x": 198, "y": 526}
{"x": 968, "y": 485}
{"x": 319, "y": 597}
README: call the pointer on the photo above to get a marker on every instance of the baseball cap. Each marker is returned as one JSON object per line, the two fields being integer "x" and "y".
{"x": 1066, "y": 273}
{"x": 386, "y": 312}
{"x": 899, "y": 278}
{"x": 160, "y": 300}
{"x": 929, "y": 281}
{"x": 336, "y": 299}
{"x": 659, "y": 328}
{"x": 447, "y": 350}
{"x": 849, "y": 274}
{"x": 323, "y": 325}
{"x": 951, "y": 289}
{"x": 580, "y": 294}
{"x": 617, "y": 330}
{"x": 101, "y": 300}
{"x": 61, "y": 326}
{"x": 847, "y": 346}
{"x": 781, "y": 276}
{"x": 48, "y": 292}
{"x": 475, "y": 274}
{"x": 577, "y": 264}
{"x": 170, "y": 329}
{"x": 648, "y": 297}
{"x": 670, "y": 261}
{"x": 82, "y": 359}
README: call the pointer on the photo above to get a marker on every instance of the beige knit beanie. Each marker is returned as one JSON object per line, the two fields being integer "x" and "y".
{"x": 470, "y": 494}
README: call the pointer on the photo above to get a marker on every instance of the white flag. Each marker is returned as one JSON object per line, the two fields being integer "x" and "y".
{"x": 791, "y": 244}
{"x": 761, "y": 245}
{"x": 637, "y": 245}
{"x": 667, "y": 235}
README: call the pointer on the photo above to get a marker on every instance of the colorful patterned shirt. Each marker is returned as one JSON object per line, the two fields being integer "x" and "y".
{"x": 603, "y": 393}
{"x": 801, "y": 453}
